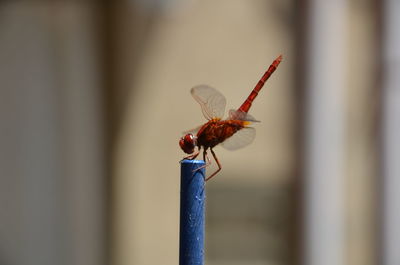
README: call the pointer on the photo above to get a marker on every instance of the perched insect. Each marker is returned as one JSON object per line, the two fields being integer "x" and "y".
{"x": 231, "y": 133}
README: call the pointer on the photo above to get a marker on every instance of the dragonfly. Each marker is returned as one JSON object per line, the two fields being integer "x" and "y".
{"x": 232, "y": 133}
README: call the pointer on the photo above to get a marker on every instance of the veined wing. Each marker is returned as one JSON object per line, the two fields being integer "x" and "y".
{"x": 241, "y": 115}
{"x": 211, "y": 101}
{"x": 240, "y": 139}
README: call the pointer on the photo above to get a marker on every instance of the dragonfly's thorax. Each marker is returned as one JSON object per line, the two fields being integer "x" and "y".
{"x": 216, "y": 131}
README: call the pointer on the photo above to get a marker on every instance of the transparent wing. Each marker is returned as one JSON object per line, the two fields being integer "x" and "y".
{"x": 240, "y": 115}
{"x": 240, "y": 139}
{"x": 211, "y": 101}
{"x": 192, "y": 131}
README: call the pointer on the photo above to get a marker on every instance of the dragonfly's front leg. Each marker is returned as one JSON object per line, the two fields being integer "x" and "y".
{"x": 206, "y": 159}
{"x": 219, "y": 166}
{"x": 205, "y": 156}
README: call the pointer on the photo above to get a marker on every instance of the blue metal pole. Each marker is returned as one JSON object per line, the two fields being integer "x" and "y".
{"x": 191, "y": 239}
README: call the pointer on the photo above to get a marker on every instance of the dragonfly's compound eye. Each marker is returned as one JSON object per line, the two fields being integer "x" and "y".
{"x": 188, "y": 143}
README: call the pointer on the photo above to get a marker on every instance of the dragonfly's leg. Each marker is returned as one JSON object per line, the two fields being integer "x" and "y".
{"x": 219, "y": 166}
{"x": 206, "y": 160}
{"x": 205, "y": 156}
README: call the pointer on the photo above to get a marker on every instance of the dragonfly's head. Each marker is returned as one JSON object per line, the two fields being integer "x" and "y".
{"x": 188, "y": 143}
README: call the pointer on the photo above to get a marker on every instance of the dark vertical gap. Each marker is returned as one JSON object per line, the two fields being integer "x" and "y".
{"x": 299, "y": 95}
{"x": 107, "y": 34}
{"x": 378, "y": 131}
{"x": 117, "y": 19}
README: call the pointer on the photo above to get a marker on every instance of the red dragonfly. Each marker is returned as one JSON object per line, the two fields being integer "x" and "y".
{"x": 232, "y": 133}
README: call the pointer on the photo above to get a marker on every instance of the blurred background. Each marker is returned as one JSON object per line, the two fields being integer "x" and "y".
{"x": 94, "y": 96}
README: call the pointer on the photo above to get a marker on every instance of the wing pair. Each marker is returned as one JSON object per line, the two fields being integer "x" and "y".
{"x": 213, "y": 105}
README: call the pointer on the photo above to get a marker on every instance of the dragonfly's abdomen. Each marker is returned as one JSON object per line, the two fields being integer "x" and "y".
{"x": 216, "y": 131}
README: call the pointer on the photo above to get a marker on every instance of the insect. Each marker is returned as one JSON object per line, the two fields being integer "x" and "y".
{"x": 232, "y": 133}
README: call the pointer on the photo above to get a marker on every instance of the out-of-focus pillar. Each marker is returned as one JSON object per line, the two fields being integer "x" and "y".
{"x": 391, "y": 133}
{"x": 324, "y": 136}
{"x": 52, "y": 199}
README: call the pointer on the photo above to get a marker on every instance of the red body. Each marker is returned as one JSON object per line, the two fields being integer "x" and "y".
{"x": 249, "y": 100}
{"x": 216, "y": 131}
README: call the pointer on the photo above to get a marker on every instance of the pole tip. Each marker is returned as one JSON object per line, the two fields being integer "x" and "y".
{"x": 189, "y": 161}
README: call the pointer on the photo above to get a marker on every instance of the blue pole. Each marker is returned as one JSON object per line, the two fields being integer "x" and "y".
{"x": 191, "y": 239}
